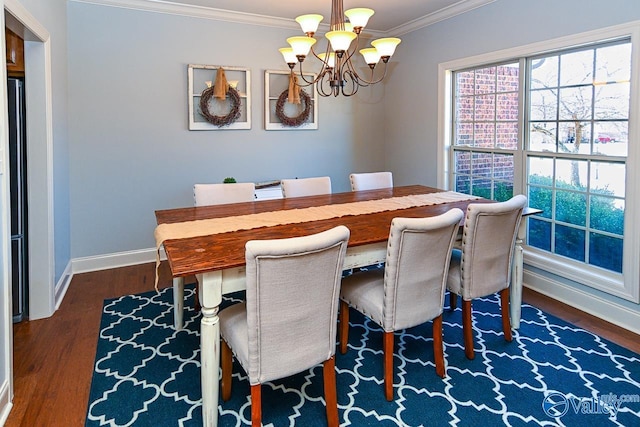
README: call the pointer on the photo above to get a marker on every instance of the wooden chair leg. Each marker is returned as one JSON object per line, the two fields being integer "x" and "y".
{"x": 467, "y": 329}
{"x": 330, "y": 391}
{"x": 438, "y": 350}
{"x": 344, "y": 326}
{"x": 256, "y": 405}
{"x": 388, "y": 365}
{"x": 227, "y": 363}
{"x": 453, "y": 301}
{"x": 504, "y": 308}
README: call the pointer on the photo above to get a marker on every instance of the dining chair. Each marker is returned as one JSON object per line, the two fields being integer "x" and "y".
{"x": 482, "y": 266}
{"x": 217, "y": 194}
{"x": 371, "y": 181}
{"x": 306, "y": 186}
{"x": 410, "y": 290}
{"x": 289, "y": 319}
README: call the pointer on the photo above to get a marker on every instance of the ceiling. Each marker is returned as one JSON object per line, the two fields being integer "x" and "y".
{"x": 399, "y": 16}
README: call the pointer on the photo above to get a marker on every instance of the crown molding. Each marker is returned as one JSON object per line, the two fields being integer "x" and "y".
{"x": 168, "y": 7}
{"x": 449, "y": 12}
{"x": 161, "y": 6}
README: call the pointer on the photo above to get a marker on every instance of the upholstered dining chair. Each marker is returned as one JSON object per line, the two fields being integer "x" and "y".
{"x": 371, "y": 180}
{"x": 482, "y": 266}
{"x": 289, "y": 320}
{"x": 217, "y": 194}
{"x": 306, "y": 186}
{"x": 410, "y": 291}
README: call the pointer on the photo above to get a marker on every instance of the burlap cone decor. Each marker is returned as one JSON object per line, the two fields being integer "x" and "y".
{"x": 220, "y": 87}
{"x": 294, "y": 90}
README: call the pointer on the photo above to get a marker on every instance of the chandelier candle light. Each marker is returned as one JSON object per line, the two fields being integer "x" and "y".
{"x": 338, "y": 75}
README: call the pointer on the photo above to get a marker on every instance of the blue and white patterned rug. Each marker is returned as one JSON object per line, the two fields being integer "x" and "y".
{"x": 552, "y": 373}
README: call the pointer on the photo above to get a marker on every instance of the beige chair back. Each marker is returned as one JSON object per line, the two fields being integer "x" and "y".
{"x": 293, "y": 287}
{"x": 416, "y": 268}
{"x": 218, "y": 194}
{"x": 370, "y": 181}
{"x": 488, "y": 242}
{"x": 306, "y": 186}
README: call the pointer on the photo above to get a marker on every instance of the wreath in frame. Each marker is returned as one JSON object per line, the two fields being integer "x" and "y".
{"x": 301, "y": 118}
{"x": 220, "y": 121}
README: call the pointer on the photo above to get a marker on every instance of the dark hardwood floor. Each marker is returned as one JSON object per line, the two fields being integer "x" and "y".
{"x": 53, "y": 358}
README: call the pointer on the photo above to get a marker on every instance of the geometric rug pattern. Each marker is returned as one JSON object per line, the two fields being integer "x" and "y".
{"x": 551, "y": 374}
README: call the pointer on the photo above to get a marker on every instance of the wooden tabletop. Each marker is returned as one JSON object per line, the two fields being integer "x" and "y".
{"x": 226, "y": 250}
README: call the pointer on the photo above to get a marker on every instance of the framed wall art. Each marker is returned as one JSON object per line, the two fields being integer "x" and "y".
{"x": 209, "y": 112}
{"x": 279, "y": 114}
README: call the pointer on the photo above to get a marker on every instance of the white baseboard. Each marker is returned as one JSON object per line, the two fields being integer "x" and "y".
{"x": 602, "y": 308}
{"x": 5, "y": 402}
{"x": 115, "y": 260}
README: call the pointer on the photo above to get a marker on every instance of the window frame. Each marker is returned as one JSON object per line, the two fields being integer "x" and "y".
{"x": 625, "y": 285}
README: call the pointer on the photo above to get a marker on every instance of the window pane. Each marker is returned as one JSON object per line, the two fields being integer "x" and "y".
{"x": 502, "y": 191}
{"x": 485, "y": 108}
{"x": 576, "y": 68}
{"x": 542, "y": 136}
{"x": 570, "y": 242}
{"x": 607, "y": 214}
{"x": 507, "y": 76}
{"x": 485, "y": 134}
{"x": 541, "y": 171}
{"x": 541, "y": 198}
{"x": 544, "y": 72}
{"x": 607, "y": 178}
{"x": 539, "y": 234}
{"x": 463, "y": 162}
{"x": 464, "y": 134}
{"x": 544, "y": 105}
{"x": 482, "y": 188}
{"x": 507, "y": 135}
{"x": 613, "y": 63}
{"x": 486, "y": 80}
{"x": 605, "y": 252}
{"x": 481, "y": 164}
{"x": 571, "y": 174}
{"x": 507, "y": 108}
{"x": 610, "y": 101}
{"x": 464, "y": 108}
{"x": 463, "y": 184}
{"x": 464, "y": 83}
{"x": 575, "y": 103}
{"x": 611, "y": 138}
{"x": 572, "y": 138}
{"x": 571, "y": 207}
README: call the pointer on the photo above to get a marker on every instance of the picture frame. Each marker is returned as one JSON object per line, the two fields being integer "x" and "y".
{"x": 199, "y": 79}
{"x": 275, "y": 83}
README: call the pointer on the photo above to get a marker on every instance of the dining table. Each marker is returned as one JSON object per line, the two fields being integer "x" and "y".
{"x": 208, "y": 242}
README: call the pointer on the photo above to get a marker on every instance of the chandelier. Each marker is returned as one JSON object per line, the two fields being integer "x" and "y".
{"x": 338, "y": 75}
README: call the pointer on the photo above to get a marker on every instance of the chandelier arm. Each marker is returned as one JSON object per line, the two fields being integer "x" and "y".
{"x": 320, "y": 86}
{"x": 348, "y": 76}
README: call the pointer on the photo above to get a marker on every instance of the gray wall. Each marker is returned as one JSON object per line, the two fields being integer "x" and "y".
{"x": 130, "y": 149}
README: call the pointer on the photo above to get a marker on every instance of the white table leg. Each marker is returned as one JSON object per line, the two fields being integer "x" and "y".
{"x": 178, "y": 302}
{"x": 210, "y": 299}
{"x": 516, "y": 278}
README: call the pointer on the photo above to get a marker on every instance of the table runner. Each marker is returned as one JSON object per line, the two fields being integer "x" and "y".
{"x": 205, "y": 227}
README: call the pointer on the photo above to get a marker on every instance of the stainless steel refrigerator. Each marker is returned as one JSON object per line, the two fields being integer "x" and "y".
{"x": 18, "y": 184}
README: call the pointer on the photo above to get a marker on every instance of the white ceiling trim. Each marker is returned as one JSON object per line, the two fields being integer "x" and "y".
{"x": 162, "y": 6}
{"x": 446, "y": 13}
{"x": 197, "y": 12}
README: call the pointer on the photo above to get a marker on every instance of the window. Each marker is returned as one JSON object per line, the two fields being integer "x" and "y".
{"x": 577, "y": 121}
{"x": 554, "y": 126}
{"x": 486, "y": 130}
